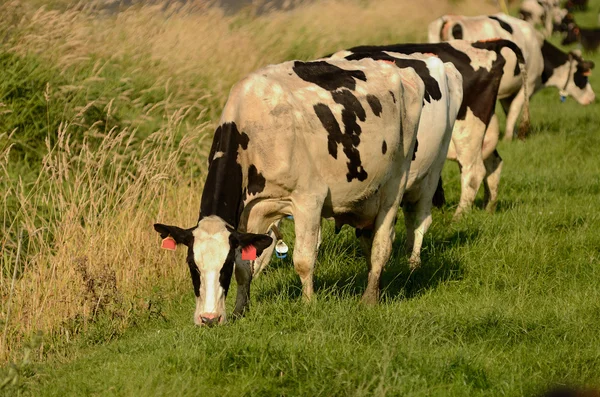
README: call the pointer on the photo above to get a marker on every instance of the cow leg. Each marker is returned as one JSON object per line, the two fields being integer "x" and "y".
{"x": 265, "y": 258}
{"x": 381, "y": 250}
{"x": 468, "y": 144}
{"x": 493, "y": 168}
{"x": 307, "y": 224}
{"x": 244, "y": 269}
{"x": 243, "y": 277}
{"x": 410, "y": 220}
{"x": 514, "y": 109}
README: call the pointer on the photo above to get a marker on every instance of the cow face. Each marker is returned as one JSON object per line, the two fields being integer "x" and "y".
{"x": 212, "y": 248}
{"x": 572, "y": 35}
{"x": 578, "y": 85}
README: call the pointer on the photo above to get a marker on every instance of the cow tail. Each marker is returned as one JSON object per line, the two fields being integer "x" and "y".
{"x": 525, "y": 117}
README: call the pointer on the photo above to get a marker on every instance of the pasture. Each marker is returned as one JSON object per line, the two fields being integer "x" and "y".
{"x": 503, "y": 304}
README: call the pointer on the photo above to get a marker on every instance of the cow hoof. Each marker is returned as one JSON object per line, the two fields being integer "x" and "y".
{"x": 491, "y": 207}
{"x": 414, "y": 263}
{"x": 369, "y": 299}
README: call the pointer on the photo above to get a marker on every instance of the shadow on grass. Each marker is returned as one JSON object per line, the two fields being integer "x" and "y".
{"x": 348, "y": 277}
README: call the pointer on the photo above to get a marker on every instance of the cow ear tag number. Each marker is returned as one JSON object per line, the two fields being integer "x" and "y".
{"x": 281, "y": 249}
{"x": 249, "y": 253}
{"x": 169, "y": 243}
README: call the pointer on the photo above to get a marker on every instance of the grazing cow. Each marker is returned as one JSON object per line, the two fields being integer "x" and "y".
{"x": 576, "y": 5}
{"x": 481, "y": 65}
{"x": 546, "y": 66}
{"x": 539, "y": 56}
{"x": 443, "y": 97}
{"x": 329, "y": 138}
{"x": 563, "y": 26}
{"x": 545, "y": 13}
{"x": 588, "y": 38}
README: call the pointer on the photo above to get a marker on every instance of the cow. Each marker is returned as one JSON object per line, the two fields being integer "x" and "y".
{"x": 328, "y": 138}
{"x": 545, "y": 13}
{"x": 576, "y": 5}
{"x": 481, "y": 66}
{"x": 443, "y": 97}
{"x": 546, "y": 66}
{"x": 540, "y": 57}
{"x": 589, "y": 38}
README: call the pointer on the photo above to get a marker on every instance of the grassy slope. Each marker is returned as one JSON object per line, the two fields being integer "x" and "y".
{"x": 503, "y": 305}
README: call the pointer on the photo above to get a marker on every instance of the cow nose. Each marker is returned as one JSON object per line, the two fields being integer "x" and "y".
{"x": 210, "y": 319}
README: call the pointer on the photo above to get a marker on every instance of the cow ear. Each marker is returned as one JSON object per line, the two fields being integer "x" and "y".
{"x": 251, "y": 241}
{"x": 588, "y": 65}
{"x": 181, "y": 236}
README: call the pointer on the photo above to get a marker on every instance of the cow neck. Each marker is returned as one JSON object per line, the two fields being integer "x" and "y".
{"x": 553, "y": 58}
{"x": 223, "y": 191}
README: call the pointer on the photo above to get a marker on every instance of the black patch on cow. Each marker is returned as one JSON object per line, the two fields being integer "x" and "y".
{"x": 375, "y": 104}
{"x": 383, "y": 147}
{"x": 222, "y": 194}
{"x": 503, "y": 24}
{"x": 480, "y": 88}
{"x": 457, "y": 32}
{"x": 414, "y": 156}
{"x": 194, "y": 272}
{"x": 579, "y": 78}
{"x": 256, "y": 182}
{"x": 350, "y": 138}
{"x": 553, "y": 58}
{"x": 432, "y": 88}
{"x": 393, "y": 96}
{"x": 328, "y": 76}
{"x": 439, "y": 198}
{"x": 227, "y": 268}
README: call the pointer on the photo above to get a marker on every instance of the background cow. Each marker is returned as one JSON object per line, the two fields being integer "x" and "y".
{"x": 482, "y": 66}
{"x": 310, "y": 139}
{"x": 443, "y": 98}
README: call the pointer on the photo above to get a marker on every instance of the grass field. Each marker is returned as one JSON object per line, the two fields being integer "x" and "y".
{"x": 504, "y": 304}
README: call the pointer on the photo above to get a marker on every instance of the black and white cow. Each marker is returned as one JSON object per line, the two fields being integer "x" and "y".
{"x": 589, "y": 38}
{"x": 443, "y": 97}
{"x": 315, "y": 139}
{"x": 540, "y": 57}
{"x": 481, "y": 66}
{"x": 545, "y": 13}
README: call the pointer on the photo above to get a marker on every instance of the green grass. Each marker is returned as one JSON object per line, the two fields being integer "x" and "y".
{"x": 504, "y": 304}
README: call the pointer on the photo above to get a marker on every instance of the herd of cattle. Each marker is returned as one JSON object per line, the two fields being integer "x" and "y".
{"x": 356, "y": 134}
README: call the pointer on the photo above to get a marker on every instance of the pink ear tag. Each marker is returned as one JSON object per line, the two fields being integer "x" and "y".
{"x": 168, "y": 243}
{"x": 249, "y": 253}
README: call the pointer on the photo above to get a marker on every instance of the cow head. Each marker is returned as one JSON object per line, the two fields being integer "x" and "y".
{"x": 214, "y": 247}
{"x": 572, "y": 35}
{"x": 578, "y": 85}
{"x": 565, "y": 21}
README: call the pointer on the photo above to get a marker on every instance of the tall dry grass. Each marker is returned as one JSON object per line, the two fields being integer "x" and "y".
{"x": 78, "y": 243}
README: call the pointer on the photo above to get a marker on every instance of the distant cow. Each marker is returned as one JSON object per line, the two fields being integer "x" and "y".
{"x": 545, "y": 13}
{"x": 481, "y": 65}
{"x": 546, "y": 66}
{"x": 310, "y": 139}
{"x": 539, "y": 56}
{"x": 443, "y": 98}
{"x": 588, "y": 38}
{"x": 576, "y": 5}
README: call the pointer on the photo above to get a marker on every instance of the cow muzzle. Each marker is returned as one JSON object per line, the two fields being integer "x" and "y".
{"x": 209, "y": 319}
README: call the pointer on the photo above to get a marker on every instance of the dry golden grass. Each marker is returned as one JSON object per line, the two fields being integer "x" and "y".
{"x": 93, "y": 249}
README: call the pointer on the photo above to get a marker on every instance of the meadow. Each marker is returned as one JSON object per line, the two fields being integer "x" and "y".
{"x": 106, "y": 117}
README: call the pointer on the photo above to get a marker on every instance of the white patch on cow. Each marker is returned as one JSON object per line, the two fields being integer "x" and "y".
{"x": 218, "y": 155}
{"x": 211, "y": 247}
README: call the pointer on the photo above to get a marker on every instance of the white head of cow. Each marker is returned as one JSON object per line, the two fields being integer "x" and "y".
{"x": 212, "y": 248}
{"x": 571, "y": 77}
